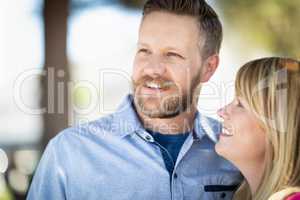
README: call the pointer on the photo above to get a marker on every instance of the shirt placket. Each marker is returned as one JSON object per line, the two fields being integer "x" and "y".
{"x": 176, "y": 186}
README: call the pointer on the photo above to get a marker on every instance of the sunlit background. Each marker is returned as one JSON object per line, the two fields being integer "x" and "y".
{"x": 91, "y": 53}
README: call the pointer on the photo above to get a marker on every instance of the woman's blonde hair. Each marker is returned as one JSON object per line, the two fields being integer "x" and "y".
{"x": 271, "y": 86}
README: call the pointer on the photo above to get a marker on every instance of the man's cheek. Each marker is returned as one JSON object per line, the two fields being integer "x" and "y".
{"x": 137, "y": 73}
{"x": 135, "y": 76}
{"x": 181, "y": 86}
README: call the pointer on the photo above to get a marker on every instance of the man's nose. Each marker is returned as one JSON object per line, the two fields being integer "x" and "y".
{"x": 155, "y": 67}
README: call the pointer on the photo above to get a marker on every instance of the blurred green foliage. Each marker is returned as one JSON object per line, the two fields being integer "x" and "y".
{"x": 271, "y": 23}
{"x": 5, "y": 196}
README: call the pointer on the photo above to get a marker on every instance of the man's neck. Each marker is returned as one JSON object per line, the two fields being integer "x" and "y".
{"x": 181, "y": 123}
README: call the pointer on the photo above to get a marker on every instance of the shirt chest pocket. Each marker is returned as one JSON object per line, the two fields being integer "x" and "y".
{"x": 219, "y": 186}
{"x": 219, "y": 192}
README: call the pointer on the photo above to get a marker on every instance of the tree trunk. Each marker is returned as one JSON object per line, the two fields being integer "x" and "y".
{"x": 54, "y": 83}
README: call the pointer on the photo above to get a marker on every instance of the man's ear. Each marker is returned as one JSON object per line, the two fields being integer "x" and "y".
{"x": 210, "y": 65}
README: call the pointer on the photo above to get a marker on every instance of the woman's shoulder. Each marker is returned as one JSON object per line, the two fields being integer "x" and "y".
{"x": 292, "y": 193}
{"x": 295, "y": 196}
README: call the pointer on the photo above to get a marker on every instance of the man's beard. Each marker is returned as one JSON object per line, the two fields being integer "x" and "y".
{"x": 163, "y": 105}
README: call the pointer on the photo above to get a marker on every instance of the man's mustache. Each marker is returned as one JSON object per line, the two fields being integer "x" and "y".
{"x": 157, "y": 80}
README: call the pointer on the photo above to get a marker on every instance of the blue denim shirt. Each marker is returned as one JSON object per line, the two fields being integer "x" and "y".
{"x": 114, "y": 158}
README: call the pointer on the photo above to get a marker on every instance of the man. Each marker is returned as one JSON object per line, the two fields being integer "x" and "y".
{"x": 156, "y": 145}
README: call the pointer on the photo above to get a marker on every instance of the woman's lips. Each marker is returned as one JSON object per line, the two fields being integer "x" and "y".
{"x": 226, "y": 132}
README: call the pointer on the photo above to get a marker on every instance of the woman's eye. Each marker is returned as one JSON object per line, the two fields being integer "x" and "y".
{"x": 239, "y": 103}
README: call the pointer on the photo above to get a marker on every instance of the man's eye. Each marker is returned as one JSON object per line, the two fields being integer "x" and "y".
{"x": 172, "y": 54}
{"x": 143, "y": 51}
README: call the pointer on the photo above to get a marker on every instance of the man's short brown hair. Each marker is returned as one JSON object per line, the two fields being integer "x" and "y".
{"x": 210, "y": 25}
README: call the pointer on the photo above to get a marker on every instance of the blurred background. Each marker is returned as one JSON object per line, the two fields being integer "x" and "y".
{"x": 65, "y": 62}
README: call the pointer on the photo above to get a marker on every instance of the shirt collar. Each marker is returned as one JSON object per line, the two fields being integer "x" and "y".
{"x": 206, "y": 126}
{"x": 126, "y": 122}
{"x": 125, "y": 119}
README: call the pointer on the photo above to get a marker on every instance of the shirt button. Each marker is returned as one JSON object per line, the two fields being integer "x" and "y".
{"x": 175, "y": 176}
{"x": 223, "y": 195}
{"x": 148, "y": 138}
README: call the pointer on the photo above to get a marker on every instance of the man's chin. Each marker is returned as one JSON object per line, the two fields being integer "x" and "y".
{"x": 155, "y": 110}
{"x": 159, "y": 114}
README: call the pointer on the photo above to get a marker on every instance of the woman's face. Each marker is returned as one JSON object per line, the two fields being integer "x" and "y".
{"x": 242, "y": 138}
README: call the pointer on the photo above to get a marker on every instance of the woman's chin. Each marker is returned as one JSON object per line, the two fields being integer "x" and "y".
{"x": 222, "y": 150}
{"x": 218, "y": 148}
{"x": 227, "y": 153}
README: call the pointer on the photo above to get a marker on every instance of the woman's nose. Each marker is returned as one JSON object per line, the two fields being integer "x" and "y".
{"x": 222, "y": 112}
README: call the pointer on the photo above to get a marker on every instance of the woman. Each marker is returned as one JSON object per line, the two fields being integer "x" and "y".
{"x": 261, "y": 130}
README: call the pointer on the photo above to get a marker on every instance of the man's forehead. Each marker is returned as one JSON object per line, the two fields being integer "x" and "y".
{"x": 165, "y": 45}
{"x": 161, "y": 16}
{"x": 166, "y": 22}
{"x": 168, "y": 29}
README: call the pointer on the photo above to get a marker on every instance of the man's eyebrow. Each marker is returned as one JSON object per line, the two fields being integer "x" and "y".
{"x": 142, "y": 44}
{"x": 173, "y": 48}
{"x": 169, "y": 48}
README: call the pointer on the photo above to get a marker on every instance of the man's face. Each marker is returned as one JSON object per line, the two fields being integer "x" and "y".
{"x": 167, "y": 64}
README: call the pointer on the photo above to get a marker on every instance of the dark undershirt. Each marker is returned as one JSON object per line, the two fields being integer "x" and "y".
{"x": 173, "y": 144}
